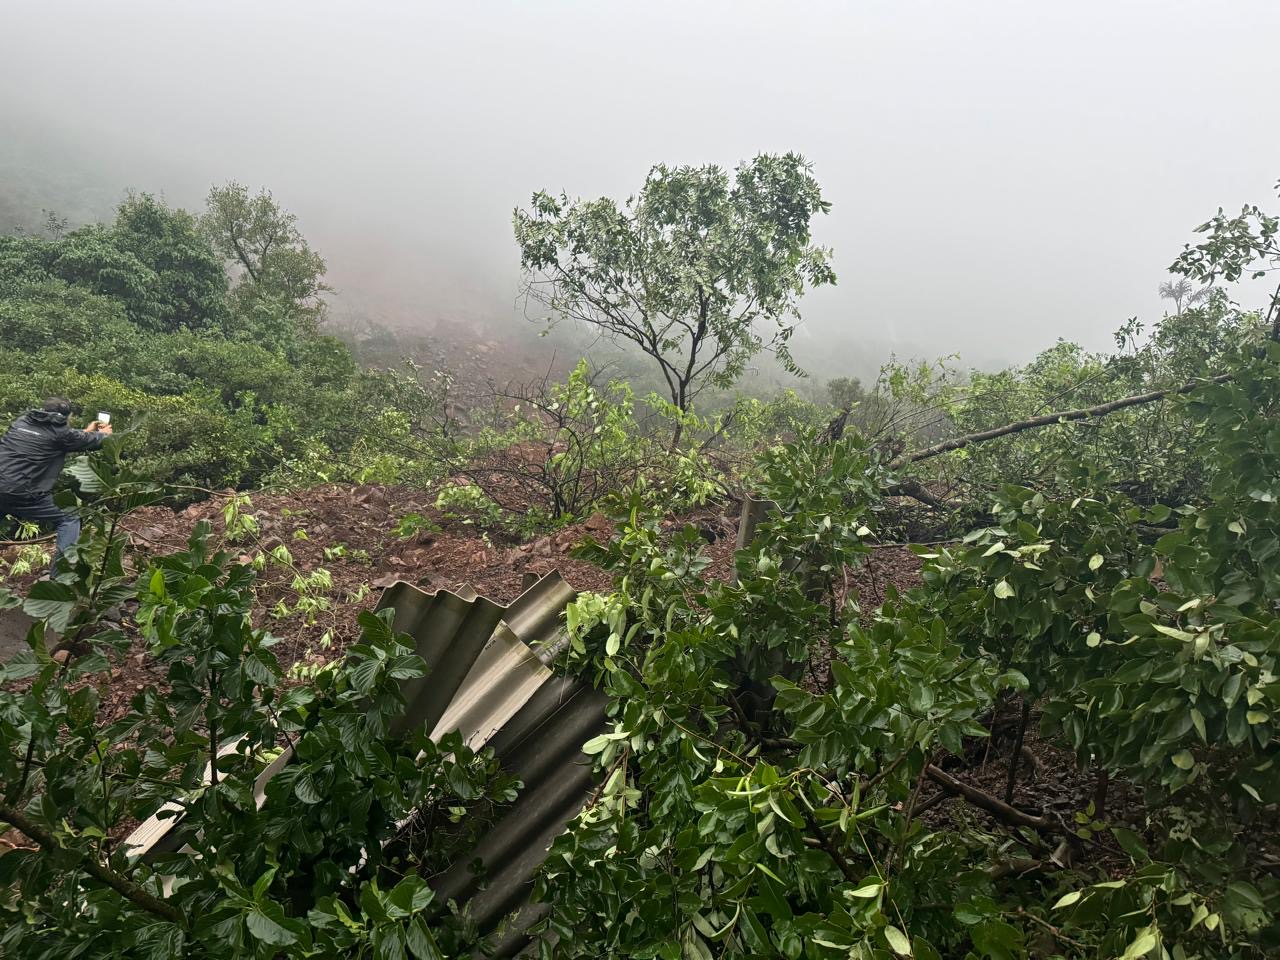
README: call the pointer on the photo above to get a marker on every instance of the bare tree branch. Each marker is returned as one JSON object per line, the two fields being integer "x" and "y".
{"x": 121, "y": 884}
{"x": 1050, "y": 419}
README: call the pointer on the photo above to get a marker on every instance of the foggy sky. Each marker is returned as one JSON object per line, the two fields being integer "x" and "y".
{"x": 1002, "y": 173}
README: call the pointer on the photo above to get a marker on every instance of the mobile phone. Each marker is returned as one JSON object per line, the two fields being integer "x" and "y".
{"x": 104, "y": 418}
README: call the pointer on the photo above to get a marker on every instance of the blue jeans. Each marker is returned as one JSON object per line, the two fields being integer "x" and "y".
{"x": 40, "y": 508}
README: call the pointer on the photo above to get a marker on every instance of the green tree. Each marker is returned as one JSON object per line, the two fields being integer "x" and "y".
{"x": 280, "y": 278}
{"x": 316, "y": 867}
{"x": 689, "y": 271}
{"x": 846, "y": 392}
{"x": 152, "y": 259}
{"x": 190, "y": 284}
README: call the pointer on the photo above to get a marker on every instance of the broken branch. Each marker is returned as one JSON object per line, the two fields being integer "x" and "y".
{"x": 1050, "y": 419}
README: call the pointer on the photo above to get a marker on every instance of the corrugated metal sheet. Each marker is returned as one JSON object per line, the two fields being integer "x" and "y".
{"x": 487, "y": 677}
{"x": 542, "y": 746}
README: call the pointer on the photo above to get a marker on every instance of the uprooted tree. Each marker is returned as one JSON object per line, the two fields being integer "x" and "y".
{"x": 689, "y": 271}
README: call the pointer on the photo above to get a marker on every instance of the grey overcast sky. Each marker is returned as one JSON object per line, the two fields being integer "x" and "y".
{"x": 1003, "y": 173}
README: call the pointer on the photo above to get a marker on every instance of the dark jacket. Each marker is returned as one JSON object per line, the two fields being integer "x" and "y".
{"x": 32, "y": 452}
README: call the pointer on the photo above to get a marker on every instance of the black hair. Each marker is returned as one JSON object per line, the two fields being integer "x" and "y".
{"x": 58, "y": 405}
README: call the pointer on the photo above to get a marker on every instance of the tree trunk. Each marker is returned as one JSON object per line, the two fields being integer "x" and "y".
{"x": 1016, "y": 756}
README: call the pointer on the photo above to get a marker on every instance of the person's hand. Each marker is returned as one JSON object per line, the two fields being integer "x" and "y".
{"x": 103, "y": 428}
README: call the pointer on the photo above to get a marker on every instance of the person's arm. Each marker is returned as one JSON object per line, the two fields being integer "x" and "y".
{"x": 88, "y": 439}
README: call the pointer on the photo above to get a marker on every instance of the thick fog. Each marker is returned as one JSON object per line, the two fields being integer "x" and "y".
{"x": 1002, "y": 173}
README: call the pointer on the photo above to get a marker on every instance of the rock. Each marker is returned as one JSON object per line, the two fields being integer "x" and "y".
{"x": 62, "y": 656}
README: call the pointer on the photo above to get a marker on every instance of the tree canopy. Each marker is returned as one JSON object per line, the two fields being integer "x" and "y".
{"x": 701, "y": 270}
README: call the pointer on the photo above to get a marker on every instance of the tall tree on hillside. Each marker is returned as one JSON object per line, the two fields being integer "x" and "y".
{"x": 190, "y": 285}
{"x": 702, "y": 270}
{"x": 276, "y": 269}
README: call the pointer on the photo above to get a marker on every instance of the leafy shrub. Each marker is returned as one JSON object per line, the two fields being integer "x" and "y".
{"x": 305, "y": 873}
{"x": 743, "y": 814}
{"x": 470, "y": 504}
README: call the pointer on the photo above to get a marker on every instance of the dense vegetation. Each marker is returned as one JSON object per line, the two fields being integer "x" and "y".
{"x": 786, "y": 773}
{"x": 209, "y": 359}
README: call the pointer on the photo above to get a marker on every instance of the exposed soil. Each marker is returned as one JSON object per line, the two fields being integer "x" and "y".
{"x": 350, "y": 532}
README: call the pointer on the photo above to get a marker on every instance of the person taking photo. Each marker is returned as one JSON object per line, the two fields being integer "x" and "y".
{"x": 32, "y": 453}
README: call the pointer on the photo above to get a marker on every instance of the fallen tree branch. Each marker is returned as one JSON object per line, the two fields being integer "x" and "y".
{"x": 121, "y": 884}
{"x": 916, "y": 491}
{"x": 46, "y": 538}
{"x": 1050, "y": 419}
{"x": 985, "y": 801}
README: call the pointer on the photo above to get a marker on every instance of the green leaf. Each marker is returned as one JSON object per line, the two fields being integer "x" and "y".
{"x": 306, "y": 790}
{"x": 1130, "y": 843}
{"x": 1068, "y": 899}
{"x": 1231, "y": 689}
{"x": 50, "y": 601}
{"x": 868, "y": 889}
{"x": 1183, "y": 760}
{"x": 1242, "y": 895}
{"x": 1197, "y": 720}
{"x": 1141, "y": 945}
{"x": 270, "y": 929}
{"x": 1095, "y": 561}
{"x": 897, "y": 941}
{"x": 421, "y": 943}
{"x": 1003, "y": 590}
{"x": 1174, "y": 632}
{"x": 261, "y": 885}
{"x": 82, "y": 468}
{"x": 387, "y": 944}
{"x": 409, "y": 896}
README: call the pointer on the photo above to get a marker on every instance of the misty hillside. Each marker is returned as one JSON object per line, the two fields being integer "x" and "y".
{"x": 693, "y": 482}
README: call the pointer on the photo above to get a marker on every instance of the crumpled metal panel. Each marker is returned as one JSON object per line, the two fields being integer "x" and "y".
{"x": 542, "y": 745}
{"x": 487, "y": 678}
{"x": 450, "y": 631}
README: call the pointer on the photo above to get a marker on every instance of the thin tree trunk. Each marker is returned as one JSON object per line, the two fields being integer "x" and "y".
{"x": 1017, "y": 751}
{"x": 1100, "y": 795}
